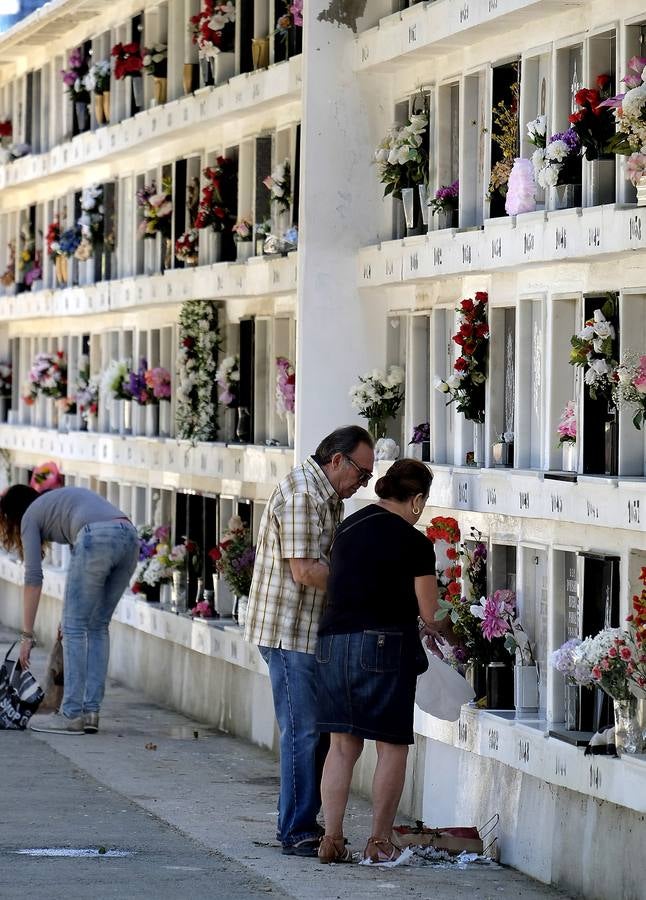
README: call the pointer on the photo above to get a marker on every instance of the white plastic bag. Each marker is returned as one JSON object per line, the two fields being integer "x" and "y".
{"x": 441, "y": 690}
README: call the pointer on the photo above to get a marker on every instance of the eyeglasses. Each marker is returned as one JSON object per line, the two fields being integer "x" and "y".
{"x": 364, "y": 474}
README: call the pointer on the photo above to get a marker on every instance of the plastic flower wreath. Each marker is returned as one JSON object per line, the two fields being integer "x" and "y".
{"x": 466, "y": 387}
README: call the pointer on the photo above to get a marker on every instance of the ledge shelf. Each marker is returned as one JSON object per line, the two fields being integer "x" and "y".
{"x": 506, "y": 243}
{"x": 439, "y": 27}
{"x": 257, "y": 277}
{"x": 165, "y": 461}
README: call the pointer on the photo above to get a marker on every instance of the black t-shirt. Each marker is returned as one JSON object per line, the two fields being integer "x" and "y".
{"x": 376, "y": 556}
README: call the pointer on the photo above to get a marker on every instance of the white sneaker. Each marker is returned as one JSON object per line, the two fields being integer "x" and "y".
{"x": 57, "y": 723}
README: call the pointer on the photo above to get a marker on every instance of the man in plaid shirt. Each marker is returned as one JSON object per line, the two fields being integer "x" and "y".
{"x": 286, "y": 601}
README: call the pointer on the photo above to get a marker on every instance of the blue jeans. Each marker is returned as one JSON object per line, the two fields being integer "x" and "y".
{"x": 104, "y": 556}
{"x": 293, "y": 678}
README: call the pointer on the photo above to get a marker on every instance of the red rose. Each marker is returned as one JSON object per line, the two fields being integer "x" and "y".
{"x": 469, "y": 348}
{"x": 466, "y": 330}
{"x": 454, "y": 589}
{"x": 460, "y": 364}
{"x": 136, "y": 588}
{"x": 214, "y": 554}
{"x": 482, "y": 296}
{"x": 576, "y": 117}
{"x": 603, "y": 81}
{"x": 451, "y": 553}
{"x": 467, "y": 305}
{"x": 482, "y": 330}
{"x": 458, "y": 339}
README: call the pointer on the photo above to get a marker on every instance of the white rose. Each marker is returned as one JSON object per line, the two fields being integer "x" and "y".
{"x": 600, "y": 366}
{"x": 440, "y": 385}
{"x": 604, "y": 330}
{"x": 538, "y": 158}
{"x": 587, "y": 333}
{"x": 591, "y": 377}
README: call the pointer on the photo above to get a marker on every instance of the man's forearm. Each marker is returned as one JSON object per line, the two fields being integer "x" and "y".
{"x": 310, "y": 572}
{"x": 31, "y": 599}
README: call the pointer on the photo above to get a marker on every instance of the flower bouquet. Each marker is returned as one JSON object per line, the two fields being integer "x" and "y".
{"x": 115, "y": 380}
{"x": 8, "y": 277}
{"x": 559, "y": 162}
{"x": 227, "y": 377}
{"x": 242, "y": 231}
{"x": 156, "y": 209}
{"x": 69, "y": 241}
{"x": 285, "y": 386}
{"x": 153, "y": 568}
{"x": 421, "y": 441}
{"x": 446, "y": 201}
{"x": 158, "y": 383}
{"x": 593, "y": 122}
{"x": 97, "y": 80}
{"x": 567, "y": 425}
{"x": 291, "y": 18}
{"x": 214, "y": 207}
{"x": 213, "y": 28}
{"x": 629, "y": 389}
{"x": 630, "y": 118}
{"x": 6, "y": 379}
{"x": 187, "y": 247}
{"x": 155, "y": 60}
{"x": 46, "y": 477}
{"x": 74, "y": 76}
{"x": 234, "y": 557}
{"x": 466, "y": 387}
{"x": 377, "y": 397}
{"x": 594, "y": 349}
{"x": 498, "y": 619}
{"x": 47, "y": 376}
{"x": 279, "y": 185}
{"x": 537, "y": 131}
{"x": 6, "y": 132}
{"x": 402, "y": 156}
{"x": 87, "y": 392}
{"x": 135, "y": 386}
{"x": 90, "y": 222}
{"x": 504, "y": 133}
{"x": 128, "y": 60}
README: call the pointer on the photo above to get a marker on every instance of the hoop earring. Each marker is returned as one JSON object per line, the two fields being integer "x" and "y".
{"x": 416, "y": 511}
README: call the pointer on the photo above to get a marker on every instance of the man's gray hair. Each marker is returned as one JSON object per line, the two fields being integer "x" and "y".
{"x": 342, "y": 440}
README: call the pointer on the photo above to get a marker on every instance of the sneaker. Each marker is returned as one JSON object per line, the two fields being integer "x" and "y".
{"x": 91, "y": 722}
{"x": 308, "y": 847}
{"x": 57, "y": 723}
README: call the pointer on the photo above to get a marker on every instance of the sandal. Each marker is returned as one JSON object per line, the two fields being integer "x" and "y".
{"x": 380, "y": 850}
{"x": 334, "y": 850}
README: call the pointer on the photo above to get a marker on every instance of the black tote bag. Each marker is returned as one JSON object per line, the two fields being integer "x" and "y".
{"x": 20, "y": 695}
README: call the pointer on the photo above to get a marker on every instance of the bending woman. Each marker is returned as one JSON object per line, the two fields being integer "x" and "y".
{"x": 105, "y": 548}
{"x": 382, "y": 577}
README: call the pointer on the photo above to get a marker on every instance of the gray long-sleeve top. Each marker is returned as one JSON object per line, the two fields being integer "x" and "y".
{"x": 58, "y": 516}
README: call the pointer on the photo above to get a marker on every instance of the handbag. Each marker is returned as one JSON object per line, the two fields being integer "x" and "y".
{"x": 20, "y": 694}
{"x": 441, "y": 690}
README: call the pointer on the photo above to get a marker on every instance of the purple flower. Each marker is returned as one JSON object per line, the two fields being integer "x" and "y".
{"x": 421, "y": 433}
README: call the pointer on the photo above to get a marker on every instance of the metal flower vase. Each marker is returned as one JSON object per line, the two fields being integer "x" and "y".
{"x": 178, "y": 592}
{"x": 628, "y": 732}
{"x": 601, "y": 181}
{"x": 566, "y": 196}
{"x": 570, "y": 460}
{"x": 526, "y": 690}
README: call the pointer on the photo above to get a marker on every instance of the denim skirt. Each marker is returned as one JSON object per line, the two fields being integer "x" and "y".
{"x": 367, "y": 684}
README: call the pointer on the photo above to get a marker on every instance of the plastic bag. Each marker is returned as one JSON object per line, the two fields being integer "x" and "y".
{"x": 441, "y": 690}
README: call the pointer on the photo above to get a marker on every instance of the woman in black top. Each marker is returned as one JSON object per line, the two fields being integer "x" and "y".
{"x": 382, "y": 578}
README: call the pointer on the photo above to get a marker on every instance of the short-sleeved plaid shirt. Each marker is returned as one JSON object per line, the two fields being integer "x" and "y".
{"x": 299, "y": 522}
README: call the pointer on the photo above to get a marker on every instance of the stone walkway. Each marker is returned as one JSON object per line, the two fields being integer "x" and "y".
{"x": 195, "y": 808}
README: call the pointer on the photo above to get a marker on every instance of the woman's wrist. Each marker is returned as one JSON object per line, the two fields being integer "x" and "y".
{"x": 27, "y": 636}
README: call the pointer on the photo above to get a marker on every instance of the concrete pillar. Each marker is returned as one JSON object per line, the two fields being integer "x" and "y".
{"x": 339, "y": 335}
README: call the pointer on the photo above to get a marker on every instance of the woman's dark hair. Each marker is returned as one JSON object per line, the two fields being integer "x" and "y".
{"x": 404, "y": 479}
{"x": 13, "y": 504}
{"x": 342, "y": 440}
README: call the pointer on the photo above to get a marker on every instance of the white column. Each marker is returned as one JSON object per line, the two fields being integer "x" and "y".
{"x": 339, "y": 335}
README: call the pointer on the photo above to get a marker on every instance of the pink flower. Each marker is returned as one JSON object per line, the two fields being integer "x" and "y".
{"x": 625, "y": 653}
{"x": 612, "y": 652}
{"x": 639, "y": 381}
{"x": 596, "y": 673}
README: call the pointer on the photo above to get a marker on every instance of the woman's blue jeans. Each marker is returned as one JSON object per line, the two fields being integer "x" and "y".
{"x": 293, "y": 678}
{"x": 104, "y": 556}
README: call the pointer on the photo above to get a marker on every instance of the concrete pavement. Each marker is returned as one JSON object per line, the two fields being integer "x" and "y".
{"x": 194, "y": 808}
